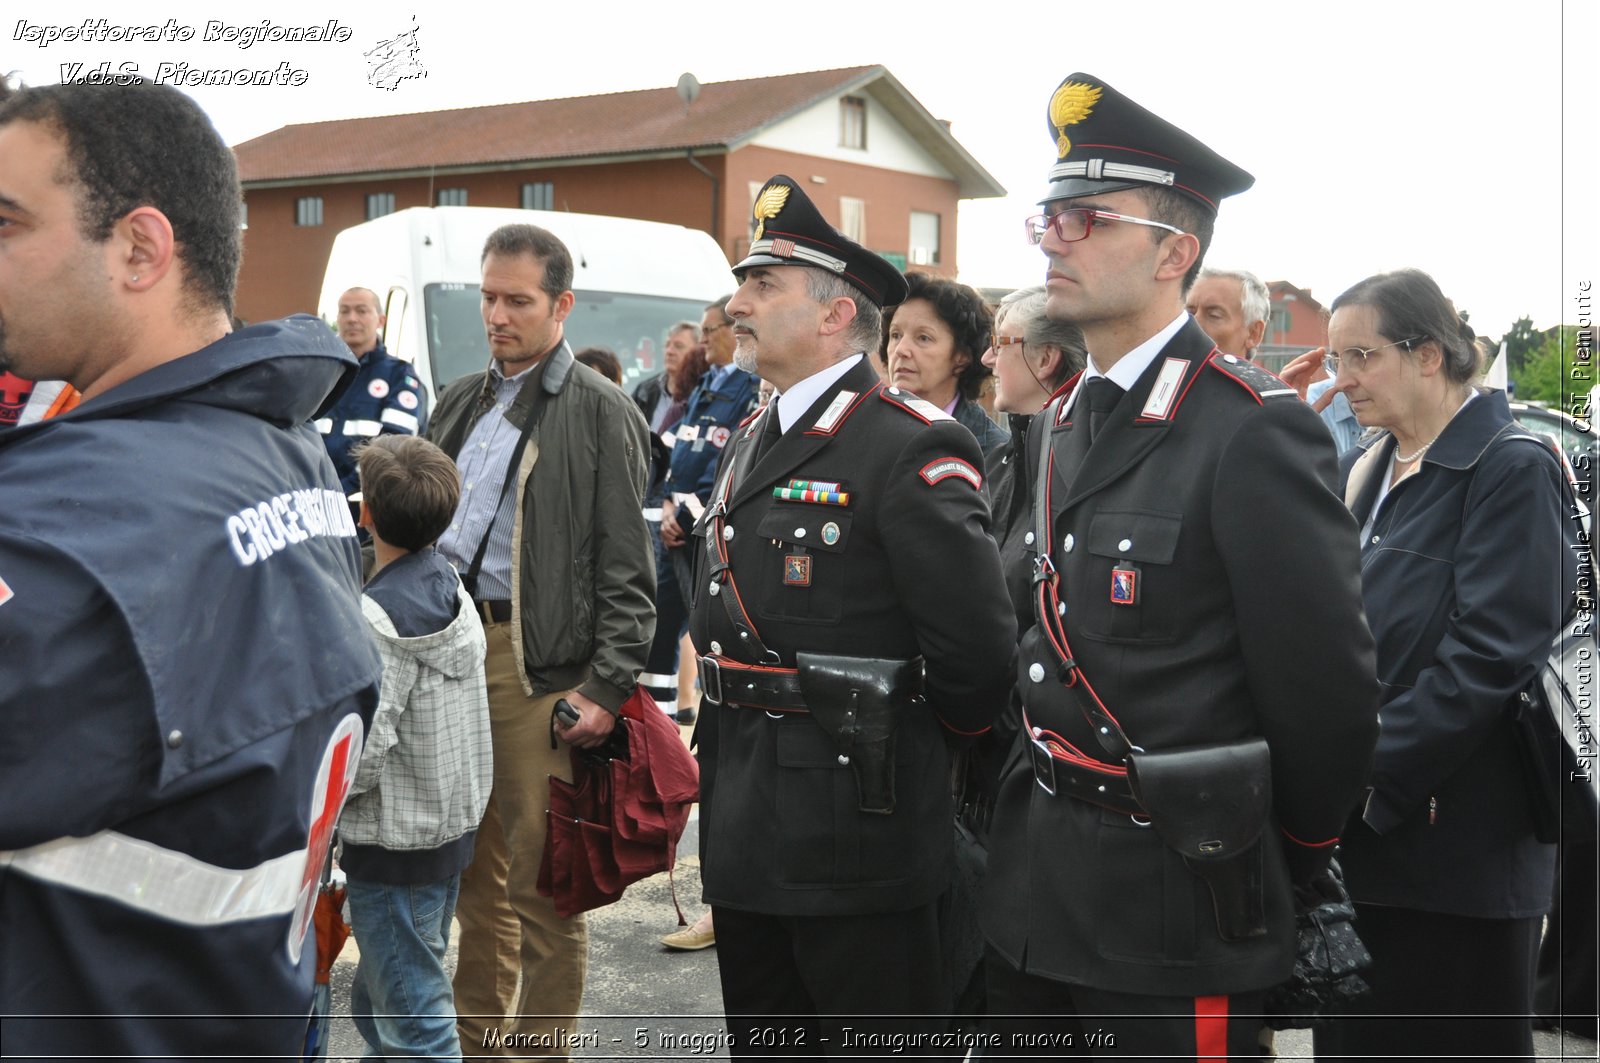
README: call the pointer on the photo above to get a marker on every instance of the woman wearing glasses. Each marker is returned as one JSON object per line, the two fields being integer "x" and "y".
{"x": 1031, "y": 356}
{"x": 932, "y": 346}
{"x": 1462, "y": 557}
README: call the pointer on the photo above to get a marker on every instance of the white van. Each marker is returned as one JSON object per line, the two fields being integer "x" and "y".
{"x": 633, "y": 281}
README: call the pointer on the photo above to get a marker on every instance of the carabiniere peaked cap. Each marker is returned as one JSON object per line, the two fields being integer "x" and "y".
{"x": 1105, "y": 143}
{"x": 790, "y": 231}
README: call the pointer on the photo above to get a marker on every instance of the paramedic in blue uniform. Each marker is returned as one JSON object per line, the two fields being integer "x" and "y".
{"x": 1198, "y": 566}
{"x": 725, "y": 396}
{"x": 385, "y": 398}
{"x": 184, "y": 675}
{"x": 853, "y": 620}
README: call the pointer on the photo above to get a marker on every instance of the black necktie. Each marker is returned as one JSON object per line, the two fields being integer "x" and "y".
{"x": 1102, "y": 396}
{"x": 771, "y": 432}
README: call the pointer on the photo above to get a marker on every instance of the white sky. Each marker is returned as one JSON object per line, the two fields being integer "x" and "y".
{"x": 1382, "y": 133}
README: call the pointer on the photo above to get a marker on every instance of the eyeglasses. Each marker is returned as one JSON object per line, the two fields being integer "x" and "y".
{"x": 714, "y": 328}
{"x": 1000, "y": 343}
{"x": 1356, "y": 358}
{"x": 1076, "y": 224}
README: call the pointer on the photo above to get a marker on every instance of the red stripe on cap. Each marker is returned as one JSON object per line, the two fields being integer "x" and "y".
{"x": 1211, "y": 1027}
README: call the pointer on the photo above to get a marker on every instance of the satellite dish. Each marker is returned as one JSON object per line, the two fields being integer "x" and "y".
{"x": 688, "y": 88}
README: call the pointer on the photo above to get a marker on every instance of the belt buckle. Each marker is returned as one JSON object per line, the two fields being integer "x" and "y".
{"x": 1044, "y": 766}
{"x": 711, "y": 677}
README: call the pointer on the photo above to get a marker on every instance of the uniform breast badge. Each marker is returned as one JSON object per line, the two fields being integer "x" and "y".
{"x": 797, "y": 570}
{"x": 1124, "y": 586}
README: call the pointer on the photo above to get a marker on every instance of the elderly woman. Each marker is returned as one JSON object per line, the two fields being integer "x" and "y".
{"x": 1462, "y": 571}
{"x": 933, "y": 343}
{"x": 1030, "y": 356}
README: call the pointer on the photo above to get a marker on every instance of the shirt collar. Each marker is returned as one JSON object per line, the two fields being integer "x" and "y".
{"x": 1131, "y": 366}
{"x": 798, "y": 399}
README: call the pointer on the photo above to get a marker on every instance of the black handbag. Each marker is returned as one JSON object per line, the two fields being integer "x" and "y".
{"x": 1329, "y": 957}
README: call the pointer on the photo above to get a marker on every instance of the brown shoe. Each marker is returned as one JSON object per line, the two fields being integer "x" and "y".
{"x": 690, "y": 939}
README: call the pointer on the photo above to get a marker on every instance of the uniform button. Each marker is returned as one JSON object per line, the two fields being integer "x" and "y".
{"x": 716, "y": 647}
{"x": 744, "y": 634}
{"x": 1375, "y": 540}
{"x": 844, "y": 761}
{"x": 1061, "y": 609}
{"x": 1028, "y": 539}
{"x": 1126, "y": 544}
{"x": 174, "y": 739}
{"x": 1229, "y": 358}
{"x": 1067, "y": 543}
{"x": 799, "y": 533}
{"x": 727, "y": 533}
{"x": 716, "y": 589}
{"x": 894, "y": 391}
{"x": 1036, "y": 672}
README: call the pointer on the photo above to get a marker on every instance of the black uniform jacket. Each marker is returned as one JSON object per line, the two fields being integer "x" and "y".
{"x": 1212, "y": 483}
{"x": 906, "y": 568}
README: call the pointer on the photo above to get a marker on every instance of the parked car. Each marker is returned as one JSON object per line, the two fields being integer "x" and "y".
{"x": 1576, "y": 440}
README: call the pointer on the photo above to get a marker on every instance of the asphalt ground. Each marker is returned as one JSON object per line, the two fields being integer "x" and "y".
{"x": 644, "y": 1001}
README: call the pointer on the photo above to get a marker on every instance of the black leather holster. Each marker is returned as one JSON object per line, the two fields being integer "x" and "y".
{"x": 857, "y": 701}
{"x": 1209, "y": 804}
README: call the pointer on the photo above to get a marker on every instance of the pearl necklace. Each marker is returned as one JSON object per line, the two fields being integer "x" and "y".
{"x": 1407, "y": 459}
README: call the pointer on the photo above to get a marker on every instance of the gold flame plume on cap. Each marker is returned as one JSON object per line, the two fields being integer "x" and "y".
{"x": 768, "y": 204}
{"x": 1073, "y": 102}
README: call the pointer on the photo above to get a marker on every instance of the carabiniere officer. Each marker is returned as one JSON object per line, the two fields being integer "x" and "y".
{"x": 1197, "y": 596}
{"x": 852, "y": 618}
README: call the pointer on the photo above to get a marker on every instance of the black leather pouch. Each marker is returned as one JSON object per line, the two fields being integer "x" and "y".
{"x": 1209, "y": 804}
{"x": 857, "y": 701}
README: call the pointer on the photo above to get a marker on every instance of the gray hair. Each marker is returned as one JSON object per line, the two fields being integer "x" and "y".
{"x": 692, "y": 327}
{"x": 1027, "y": 306}
{"x": 1255, "y": 301}
{"x": 866, "y": 330}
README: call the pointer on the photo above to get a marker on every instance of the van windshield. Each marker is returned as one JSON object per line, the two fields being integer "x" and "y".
{"x": 634, "y": 327}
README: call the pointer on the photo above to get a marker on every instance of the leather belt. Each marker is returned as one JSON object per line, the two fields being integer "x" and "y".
{"x": 750, "y": 686}
{"x": 1058, "y": 777}
{"x": 495, "y": 610}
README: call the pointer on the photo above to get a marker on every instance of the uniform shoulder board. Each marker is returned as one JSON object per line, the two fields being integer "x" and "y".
{"x": 1260, "y": 384}
{"x": 921, "y": 409}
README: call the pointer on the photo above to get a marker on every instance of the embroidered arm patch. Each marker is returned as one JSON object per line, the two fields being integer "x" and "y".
{"x": 944, "y": 468}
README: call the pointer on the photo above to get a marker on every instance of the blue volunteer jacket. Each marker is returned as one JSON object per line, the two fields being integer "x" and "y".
{"x": 185, "y": 678}
{"x": 384, "y": 397}
{"x": 708, "y": 422}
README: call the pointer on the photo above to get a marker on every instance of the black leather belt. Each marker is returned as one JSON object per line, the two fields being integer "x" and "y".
{"x": 1058, "y": 777}
{"x": 495, "y": 610}
{"x": 725, "y": 682}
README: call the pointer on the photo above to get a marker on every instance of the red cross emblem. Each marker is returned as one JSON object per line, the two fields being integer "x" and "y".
{"x": 334, "y": 778}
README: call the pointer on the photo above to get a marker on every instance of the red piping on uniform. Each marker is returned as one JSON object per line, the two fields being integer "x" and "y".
{"x": 1213, "y": 363}
{"x": 956, "y": 730}
{"x": 1309, "y": 845}
{"x": 845, "y": 416}
{"x": 1211, "y": 1027}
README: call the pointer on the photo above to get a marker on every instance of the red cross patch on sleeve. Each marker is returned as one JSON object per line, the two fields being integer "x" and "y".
{"x": 944, "y": 468}
{"x": 6, "y": 593}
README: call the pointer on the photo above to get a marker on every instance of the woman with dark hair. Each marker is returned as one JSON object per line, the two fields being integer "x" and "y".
{"x": 1463, "y": 570}
{"x": 933, "y": 343}
{"x": 603, "y": 361}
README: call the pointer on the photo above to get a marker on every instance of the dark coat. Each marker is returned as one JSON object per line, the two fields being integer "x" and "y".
{"x": 181, "y": 645}
{"x": 991, "y": 437}
{"x": 1462, "y": 574}
{"x": 912, "y": 570}
{"x": 584, "y": 568}
{"x": 1246, "y": 621}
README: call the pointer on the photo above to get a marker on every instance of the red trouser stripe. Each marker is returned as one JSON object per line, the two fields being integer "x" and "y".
{"x": 1211, "y": 1027}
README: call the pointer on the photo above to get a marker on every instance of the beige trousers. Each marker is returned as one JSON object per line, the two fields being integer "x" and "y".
{"x": 507, "y": 929}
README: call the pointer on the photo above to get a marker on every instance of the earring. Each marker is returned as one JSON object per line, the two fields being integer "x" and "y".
{"x": 134, "y": 279}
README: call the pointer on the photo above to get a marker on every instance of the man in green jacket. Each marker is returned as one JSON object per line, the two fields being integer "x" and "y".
{"x": 550, "y": 540}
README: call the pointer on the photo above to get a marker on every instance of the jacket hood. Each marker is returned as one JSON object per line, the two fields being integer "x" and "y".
{"x": 456, "y": 650}
{"x": 286, "y": 372}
